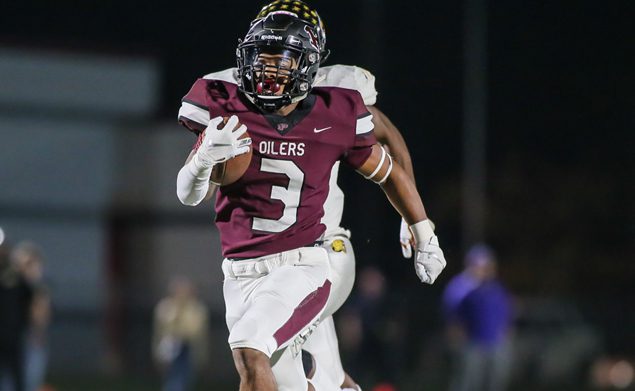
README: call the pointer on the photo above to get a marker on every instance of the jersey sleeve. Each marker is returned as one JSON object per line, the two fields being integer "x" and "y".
{"x": 208, "y": 98}
{"x": 194, "y": 114}
{"x": 364, "y": 137}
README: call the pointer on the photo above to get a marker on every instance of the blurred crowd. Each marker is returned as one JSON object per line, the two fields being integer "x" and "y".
{"x": 475, "y": 335}
{"x": 25, "y": 313}
{"x": 180, "y": 338}
{"x": 478, "y": 336}
{"x": 478, "y": 314}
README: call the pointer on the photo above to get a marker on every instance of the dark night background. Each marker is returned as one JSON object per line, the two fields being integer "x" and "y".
{"x": 560, "y": 182}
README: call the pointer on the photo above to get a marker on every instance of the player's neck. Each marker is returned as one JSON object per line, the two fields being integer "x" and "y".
{"x": 286, "y": 110}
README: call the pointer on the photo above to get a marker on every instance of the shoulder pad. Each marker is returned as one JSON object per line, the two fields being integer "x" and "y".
{"x": 229, "y": 75}
{"x": 351, "y": 77}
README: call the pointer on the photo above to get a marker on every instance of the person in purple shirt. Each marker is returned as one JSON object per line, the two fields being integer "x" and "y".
{"x": 478, "y": 314}
{"x": 278, "y": 279}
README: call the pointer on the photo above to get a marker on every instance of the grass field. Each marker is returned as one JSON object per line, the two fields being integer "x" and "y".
{"x": 146, "y": 384}
{"x": 98, "y": 383}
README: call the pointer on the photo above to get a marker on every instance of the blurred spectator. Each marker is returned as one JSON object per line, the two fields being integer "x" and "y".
{"x": 371, "y": 332}
{"x": 180, "y": 341}
{"x": 553, "y": 342}
{"x": 478, "y": 314}
{"x": 27, "y": 258}
{"x": 15, "y": 303}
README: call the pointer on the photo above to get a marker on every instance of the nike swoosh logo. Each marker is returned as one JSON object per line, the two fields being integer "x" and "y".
{"x": 321, "y": 130}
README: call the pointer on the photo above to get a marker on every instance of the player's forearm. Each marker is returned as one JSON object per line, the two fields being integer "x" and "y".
{"x": 192, "y": 183}
{"x": 403, "y": 195}
{"x": 398, "y": 186}
{"x": 388, "y": 134}
{"x": 400, "y": 154}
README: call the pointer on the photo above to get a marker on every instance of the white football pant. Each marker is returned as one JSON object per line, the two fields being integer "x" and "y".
{"x": 322, "y": 344}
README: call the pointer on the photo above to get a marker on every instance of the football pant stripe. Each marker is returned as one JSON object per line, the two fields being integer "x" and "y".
{"x": 304, "y": 313}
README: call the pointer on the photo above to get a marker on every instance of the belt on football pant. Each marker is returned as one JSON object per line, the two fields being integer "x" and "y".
{"x": 261, "y": 266}
{"x": 317, "y": 243}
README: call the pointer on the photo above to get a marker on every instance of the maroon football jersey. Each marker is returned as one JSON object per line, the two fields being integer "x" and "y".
{"x": 278, "y": 203}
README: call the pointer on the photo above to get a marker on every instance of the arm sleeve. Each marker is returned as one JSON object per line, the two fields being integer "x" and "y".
{"x": 364, "y": 137}
{"x": 192, "y": 181}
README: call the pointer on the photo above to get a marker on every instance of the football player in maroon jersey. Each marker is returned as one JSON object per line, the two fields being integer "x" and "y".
{"x": 276, "y": 272}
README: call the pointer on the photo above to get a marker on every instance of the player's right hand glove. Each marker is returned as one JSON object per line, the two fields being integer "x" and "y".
{"x": 429, "y": 258}
{"x": 221, "y": 142}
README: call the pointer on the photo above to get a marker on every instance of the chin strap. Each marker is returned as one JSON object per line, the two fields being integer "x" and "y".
{"x": 299, "y": 98}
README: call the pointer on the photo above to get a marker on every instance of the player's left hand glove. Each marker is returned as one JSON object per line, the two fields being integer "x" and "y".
{"x": 429, "y": 259}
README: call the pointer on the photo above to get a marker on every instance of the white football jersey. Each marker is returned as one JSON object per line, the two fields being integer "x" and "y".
{"x": 343, "y": 76}
{"x": 354, "y": 78}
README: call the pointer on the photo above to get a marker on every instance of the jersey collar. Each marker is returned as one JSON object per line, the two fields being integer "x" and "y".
{"x": 284, "y": 124}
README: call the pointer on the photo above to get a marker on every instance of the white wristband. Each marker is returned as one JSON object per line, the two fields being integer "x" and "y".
{"x": 422, "y": 231}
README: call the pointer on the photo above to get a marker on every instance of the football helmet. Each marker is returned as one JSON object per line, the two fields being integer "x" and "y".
{"x": 297, "y": 8}
{"x": 279, "y": 58}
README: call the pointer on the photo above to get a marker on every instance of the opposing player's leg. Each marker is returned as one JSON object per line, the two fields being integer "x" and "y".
{"x": 323, "y": 344}
{"x": 324, "y": 350}
{"x": 290, "y": 375}
{"x": 341, "y": 259}
{"x": 272, "y": 302}
{"x": 288, "y": 370}
{"x": 326, "y": 371}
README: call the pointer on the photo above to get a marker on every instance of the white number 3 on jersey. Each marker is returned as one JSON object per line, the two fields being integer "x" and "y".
{"x": 290, "y": 195}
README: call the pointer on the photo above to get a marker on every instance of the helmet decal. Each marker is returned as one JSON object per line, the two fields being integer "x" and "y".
{"x": 298, "y": 8}
{"x": 312, "y": 37}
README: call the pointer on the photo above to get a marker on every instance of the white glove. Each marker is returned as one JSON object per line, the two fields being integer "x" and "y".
{"x": 406, "y": 239}
{"x": 221, "y": 142}
{"x": 429, "y": 260}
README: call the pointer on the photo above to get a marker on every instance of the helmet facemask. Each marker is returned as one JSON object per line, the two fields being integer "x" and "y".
{"x": 271, "y": 76}
{"x": 278, "y": 61}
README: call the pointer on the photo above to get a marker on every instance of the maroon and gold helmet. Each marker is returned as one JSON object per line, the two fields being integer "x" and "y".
{"x": 300, "y": 10}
